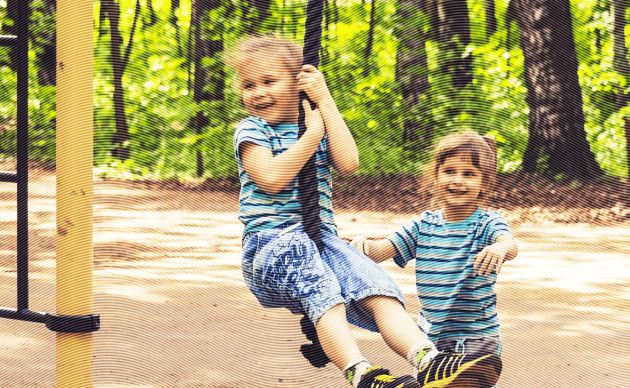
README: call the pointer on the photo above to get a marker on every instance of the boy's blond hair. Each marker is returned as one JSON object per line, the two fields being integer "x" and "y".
{"x": 269, "y": 44}
{"x": 480, "y": 151}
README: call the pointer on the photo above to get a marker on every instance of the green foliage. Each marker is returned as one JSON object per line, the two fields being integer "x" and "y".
{"x": 8, "y": 97}
{"x": 159, "y": 104}
{"x": 41, "y": 99}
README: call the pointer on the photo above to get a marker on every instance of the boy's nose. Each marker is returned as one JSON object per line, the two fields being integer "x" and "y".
{"x": 259, "y": 92}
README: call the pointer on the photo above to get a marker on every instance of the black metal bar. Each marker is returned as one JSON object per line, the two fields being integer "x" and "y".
{"x": 22, "y": 155}
{"x": 8, "y": 40}
{"x": 73, "y": 323}
{"x": 8, "y": 176}
{"x": 22, "y": 315}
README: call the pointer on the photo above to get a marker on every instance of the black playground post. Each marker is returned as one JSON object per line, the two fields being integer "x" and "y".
{"x": 22, "y": 155}
{"x": 20, "y": 44}
{"x": 55, "y": 322}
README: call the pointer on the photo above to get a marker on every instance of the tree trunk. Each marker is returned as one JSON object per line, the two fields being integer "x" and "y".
{"x": 119, "y": 64}
{"x": 620, "y": 59}
{"x": 153, "y": 19}
{"x": 47, "y": 43}
{"x": 557, "y": 136}
{"x": 412, "y": 75}
{"x": 190, "y": 44}
{"x": 600, "y": 7}
{"x": 370, "y": 38}
{"x": 12, "y": 14}
{"x": 102, "y": 16}
{"x": 620, "y": 63}
{"x": 44, "y": 29}
{"x": 209, "y": 83}
{"x": 491, "y": 19}
{"x": 323, "y": 51}
{"x": 262, "y": 6}
{"x": 510, "y": 19}
{"x": 433, "y": 11}
{"x": 254, "y": 26}
{"x": 173, "y": 20}
{"x": 455, "y": 36}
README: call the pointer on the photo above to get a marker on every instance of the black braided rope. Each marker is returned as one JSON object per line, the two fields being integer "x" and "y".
{"x": 307, "y": 177}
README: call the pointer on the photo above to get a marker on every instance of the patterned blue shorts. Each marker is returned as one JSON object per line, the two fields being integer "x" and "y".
{"x": 283, "y": 268}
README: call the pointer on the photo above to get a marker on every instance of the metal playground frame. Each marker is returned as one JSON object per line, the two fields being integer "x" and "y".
{"x": 74, "y": 320}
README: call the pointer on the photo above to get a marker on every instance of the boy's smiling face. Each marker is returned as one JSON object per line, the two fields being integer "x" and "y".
{"x": 459, "y": 183}
{"x": 269, "y": 90}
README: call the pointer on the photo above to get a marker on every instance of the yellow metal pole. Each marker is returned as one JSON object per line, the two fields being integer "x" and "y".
{"x": 74, "y": 186}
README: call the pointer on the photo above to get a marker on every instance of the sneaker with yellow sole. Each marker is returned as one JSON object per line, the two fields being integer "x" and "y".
{"x": 377, "y": 377}
{"x": 449, "y": 369}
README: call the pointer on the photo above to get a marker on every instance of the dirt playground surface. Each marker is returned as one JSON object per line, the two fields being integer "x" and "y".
{"x": 176, "y": 313}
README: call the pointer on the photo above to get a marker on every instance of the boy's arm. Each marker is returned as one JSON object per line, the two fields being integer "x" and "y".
{"x": 342, "y": 148}
{"x": 510, "y": 244}
{"x": 503, "y": 249}
{"x": 378, "y": 251}
{"x": 273, "y": 173}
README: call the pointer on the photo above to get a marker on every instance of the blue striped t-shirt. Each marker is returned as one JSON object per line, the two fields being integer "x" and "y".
{"x": 259, "y": 210}
{"x": 456, "y": 303}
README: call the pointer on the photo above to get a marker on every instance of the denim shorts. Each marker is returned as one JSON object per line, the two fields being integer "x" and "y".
{"x": 283, "y": 268}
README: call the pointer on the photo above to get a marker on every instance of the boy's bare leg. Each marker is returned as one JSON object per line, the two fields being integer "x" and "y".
{"x": 399, "y": 331}
{"x": 334, "y": 335}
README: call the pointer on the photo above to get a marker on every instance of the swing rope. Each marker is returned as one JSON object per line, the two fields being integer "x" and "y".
{"x": 307, "y": 177}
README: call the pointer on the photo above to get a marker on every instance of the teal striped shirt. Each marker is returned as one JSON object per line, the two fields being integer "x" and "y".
{"x": 259, "y": 210}
{"x": 456, "y": 303}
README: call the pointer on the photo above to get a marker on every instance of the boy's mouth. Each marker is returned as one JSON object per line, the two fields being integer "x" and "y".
{"x": 264, "y": 106}
{"x": 459, "y": 192}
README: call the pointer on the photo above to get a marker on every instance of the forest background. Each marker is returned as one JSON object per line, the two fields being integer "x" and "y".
{"x": 547, "y": 79}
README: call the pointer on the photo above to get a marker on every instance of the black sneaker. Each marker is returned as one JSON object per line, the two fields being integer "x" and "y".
{"x": 377, "y": 377}
{"x": 449, "y": 369}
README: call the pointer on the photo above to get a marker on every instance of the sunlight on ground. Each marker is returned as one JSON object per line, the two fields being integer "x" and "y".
{"x": 137, "y": 293}
{"x": 14, "y": 342}
{"x": 176, "y": 312}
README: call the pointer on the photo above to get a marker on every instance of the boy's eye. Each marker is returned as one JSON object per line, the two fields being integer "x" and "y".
{"x": 469, "y": 173}
{"x": 449, "y": 172}
{"x": 248, "y": 86}
{"x": 269, "y": 81}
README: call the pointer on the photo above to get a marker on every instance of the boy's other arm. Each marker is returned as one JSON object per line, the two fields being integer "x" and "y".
{"x": 342, "y": 148}
{"x": 273, "y": 173}
{"x": 378, "y": 251}
{"x": 503, "y": 249}
{"x": 510, "y": 244}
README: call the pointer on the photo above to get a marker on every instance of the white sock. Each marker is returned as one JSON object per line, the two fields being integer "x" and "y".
{"x": 355, "y": 369}
{"x": 421, "y": 354}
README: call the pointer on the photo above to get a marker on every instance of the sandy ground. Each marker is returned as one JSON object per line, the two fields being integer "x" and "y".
{"x": 176, "y": 313}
